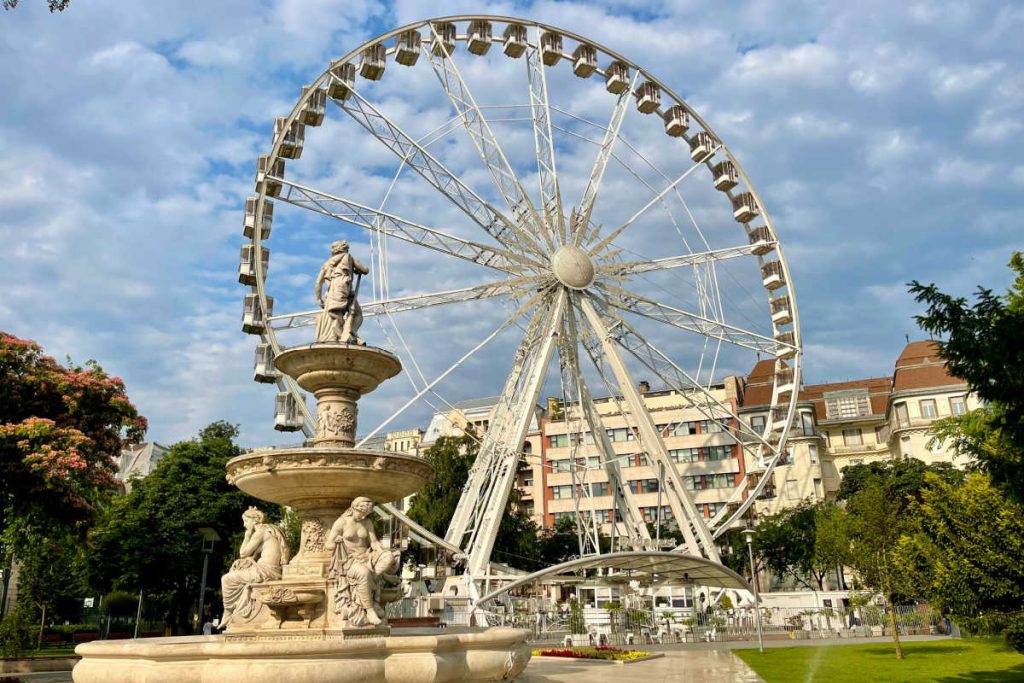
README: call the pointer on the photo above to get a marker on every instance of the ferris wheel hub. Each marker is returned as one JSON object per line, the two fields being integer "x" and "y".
{"x": 573, "y": 267}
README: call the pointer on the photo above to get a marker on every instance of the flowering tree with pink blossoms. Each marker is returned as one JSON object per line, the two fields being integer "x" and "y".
{"x": 61, "y": 428}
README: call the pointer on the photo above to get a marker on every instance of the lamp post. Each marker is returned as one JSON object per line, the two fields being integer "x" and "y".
{"x": 748, "y": 534}
{"x": 210, "y": 537}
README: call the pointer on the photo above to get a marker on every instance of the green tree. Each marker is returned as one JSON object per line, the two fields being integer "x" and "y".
{"x": 906, "y": 478}
{"x": 60, "y": 430}
{"x": 831, "y": 540}
{"x": 981, "y": 343}
{"x": 966, "y": 546}
{"x": 877, "y": 521}
{"x": 149, "y": 539}
{"x": 54, "y": 5}
{"x": 434, "y": 504}
{"x": 559, "y": 543}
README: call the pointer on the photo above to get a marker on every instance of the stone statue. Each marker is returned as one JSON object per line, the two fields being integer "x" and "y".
{"x": 341, "y": 316}
{"x": 362, "y": 571}
{"x": 261, "y": 557}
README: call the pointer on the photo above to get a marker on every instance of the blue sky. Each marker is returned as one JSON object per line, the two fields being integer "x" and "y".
{"x": 884, "y": 138}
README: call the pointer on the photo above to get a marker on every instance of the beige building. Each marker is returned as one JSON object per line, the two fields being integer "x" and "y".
{"x": 860, "y": 421}
{"x": 836, "y": 425}
{"x": 923, "y": 391}
{"x": 705, "y": 450}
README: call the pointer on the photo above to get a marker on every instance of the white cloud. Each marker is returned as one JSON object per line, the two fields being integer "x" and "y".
{"x": 871, "y": 138}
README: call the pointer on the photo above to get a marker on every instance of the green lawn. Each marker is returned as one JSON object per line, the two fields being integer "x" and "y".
{"x": 976, "y": 660}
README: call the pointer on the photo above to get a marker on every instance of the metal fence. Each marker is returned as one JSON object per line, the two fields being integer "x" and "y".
{"x": 621, "y": 626}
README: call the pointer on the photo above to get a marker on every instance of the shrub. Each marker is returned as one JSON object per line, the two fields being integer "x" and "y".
{"x": 726, "y": 602}
{"x": 1014, "y": 633}
{"x": 120, "y": 603}
{"x": 16, "y": 632}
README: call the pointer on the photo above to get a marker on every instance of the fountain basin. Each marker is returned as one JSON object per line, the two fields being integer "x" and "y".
{"x": 317, "y": 367}
{"x": 305, "y": 478}
{"x": 497, "y": 654}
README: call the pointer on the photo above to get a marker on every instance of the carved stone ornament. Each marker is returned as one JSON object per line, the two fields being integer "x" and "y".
{"x": 313, "y": 536}
{"x": 333, "y": 422}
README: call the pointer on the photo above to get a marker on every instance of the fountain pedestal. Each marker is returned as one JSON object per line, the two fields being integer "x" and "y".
{"x": 297, "y": 633}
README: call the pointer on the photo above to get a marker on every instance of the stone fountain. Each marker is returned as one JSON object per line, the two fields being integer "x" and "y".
{"x": 316, "y": 615}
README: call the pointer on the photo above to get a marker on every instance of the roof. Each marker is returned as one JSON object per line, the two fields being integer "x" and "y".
{"x": 920, "y": 367}
{"x": 476, "y": 403}
{"x": 670, "y": 568}
{"x": 760, "y": 381}
{"x": 878, "y": 389}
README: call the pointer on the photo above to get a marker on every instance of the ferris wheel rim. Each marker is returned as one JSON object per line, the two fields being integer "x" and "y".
{"x": 270, "y": 335}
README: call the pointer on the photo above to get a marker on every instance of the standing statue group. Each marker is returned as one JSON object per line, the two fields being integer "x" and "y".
{"x": 363, "y": 574}
{"x": 341, "y": 316}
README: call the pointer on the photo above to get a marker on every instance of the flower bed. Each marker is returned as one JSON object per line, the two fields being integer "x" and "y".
{"x": 601, "y": 652}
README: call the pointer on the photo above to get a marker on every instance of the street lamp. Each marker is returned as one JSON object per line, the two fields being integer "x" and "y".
{"x": 748, "y": 534}
{"x": 210, "y": 537}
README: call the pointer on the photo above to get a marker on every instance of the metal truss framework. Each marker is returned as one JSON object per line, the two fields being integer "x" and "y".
{"x": 598, "y": 319}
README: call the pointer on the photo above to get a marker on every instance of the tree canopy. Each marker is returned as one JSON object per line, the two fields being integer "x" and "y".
{"x": 150, "y": 539}
{"x": 54, "y": 5}
{"x": 905, "y": 478}
{"x": 60, "y": 429}
{"x": 981, "y": 343}
{"x": 434, "y": 505}
{"x": 965, "y": 544}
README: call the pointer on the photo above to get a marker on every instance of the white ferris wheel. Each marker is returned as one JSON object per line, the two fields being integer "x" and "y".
{"x": 581, "y": 206}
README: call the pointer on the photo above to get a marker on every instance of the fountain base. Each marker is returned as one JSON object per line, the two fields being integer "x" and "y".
{"x": 497, "y": 654}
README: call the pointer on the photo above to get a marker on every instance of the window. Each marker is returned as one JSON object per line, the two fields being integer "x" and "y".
{"x": 682, "y": 429}
{"x": 560, "y": 465}
{"x": 902, "y": 419}
{"x": 721, "y": 481}
{"x": 882, "y": 434}
{"x": 715, "y": 453}
{"x": 852, "y": 437}
{"x": 692, "y": 483}
{"x": 600, "y": 488}
{"x": 644, "y": 485}
{"x": 620, "y": 434}
{"x": 847, "y": 404}
{"x": 757, "y": 423}
{"x": 527, "y": 483}
{"x": 558, "y": 441}
{"x": 711, "y": 427}
{"x": 713, "y": 508}
{"x": 812, "y": 453}
{"x": 561, "y": 492}
{"x": 928, "y": 409}
{"x": 683, "y": 455}
{"x": 957, "y": 405}
{"x": 807, "y": 423}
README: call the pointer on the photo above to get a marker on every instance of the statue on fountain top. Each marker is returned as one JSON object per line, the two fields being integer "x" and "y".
{"x": 341, "y": 316}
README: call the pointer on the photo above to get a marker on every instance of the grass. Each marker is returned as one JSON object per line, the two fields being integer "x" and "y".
{"x": 976, "y": 660}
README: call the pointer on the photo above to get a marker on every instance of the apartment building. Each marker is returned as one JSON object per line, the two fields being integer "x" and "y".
{"x": 839, "y": 424}
{"x": 703, "y": 447}
{"x": 923, "y": 391}
{"x": 836, "y": 425}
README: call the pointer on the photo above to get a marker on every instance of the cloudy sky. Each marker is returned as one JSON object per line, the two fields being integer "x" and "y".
{"x": 884, "y": 138}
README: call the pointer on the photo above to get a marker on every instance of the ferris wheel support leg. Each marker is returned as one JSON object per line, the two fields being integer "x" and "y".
{"x": 695, "y": 532}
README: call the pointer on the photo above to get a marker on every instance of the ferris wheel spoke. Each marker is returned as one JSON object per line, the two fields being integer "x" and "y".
{"x": 525, "y": 308}
{"x": 604, "y": 155}
{"x": 638, "y": 533}
{"x": 509, "y": 287}
{"x": 540, "y": 109}
{"x": 474, "y": 525}
{"x": 695, "y": 531}
{"x": 375, "y": 220}
{"x": 657, "y": 199}
{"x": 620, "y": 269}
{"x": 673, "y": 376}
{"x": 436, "y": 174}
{"x": 626, "y": 300}
{"x": 523, "y": 211}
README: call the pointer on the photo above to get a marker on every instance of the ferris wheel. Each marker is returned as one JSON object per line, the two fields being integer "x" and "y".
{"x": 581, "y": 207}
